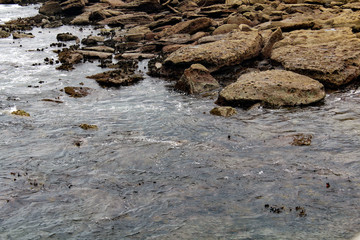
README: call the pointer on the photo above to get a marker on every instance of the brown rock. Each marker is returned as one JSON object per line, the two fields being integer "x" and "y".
{"x": 116, "y": 78}
{"x": 190, "y": 27}
{"x": 274, "y": 88}
{"x": 225, "y": 28}
{"x": 66, "y": 37}
{"x": 223, "y": 111}
{"x": 121, "y": 20}
{"x": 20, "y": 113}
{"x": 86, "y": 126}
{"x": 50, "y": 8}
{"x": 4, "y": 34}
{"x": 73, "y": 7}
{"x": 269, "y": 43}
{"x": 235, "y": 48}
{"x": 82, "y": 19}
{"x": 100, "y": 49}
{"x": 197, "y": 79}
{"x": 238, "y": 19}
{"x": 17, "y": 35}
{"x": 77, "y": 92}
{"x": 331, "y": 56}
{"x": 94, "y": 54}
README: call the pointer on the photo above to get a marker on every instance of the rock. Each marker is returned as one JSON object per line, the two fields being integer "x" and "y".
{"x": 100, "y": 49}
{"x": 274, "y": 88}
{"x": 17, "y": 35}
{"x": 77, "y": 92}
{"x": 197, "y": 79}
{"x": 127, "y": 55}
{"x": 69, "y": 57}
{"x": 223, "y": 111}
{"x": 50, "y": 8}
{"x": 64, "y": 37}
{"x": 116, "y": 78}
{"x": 73, "y": 7}
{"x": 225, "y": 28}
{"x": 235, "y": 48}
{"x": 238, "y": 19}
{"x": 121, "y": 20}
{"x": 94, "y": 54}
{"x": 176, "y": 39}
{"x": 20, "y": 113}
{"x": 331, "y": 56}
{"x": 92, "y": 40}
{"x": 4, "y": 34}
{"x": 82, "y": 19}
{"x": 274, "y": 37}
{"x": 164, "y": 22}
{"x": 301, "y": 139}
{"x": 190, "y": 27}
{"x": 86, "y": 126}
{"x": 148, "y": 6}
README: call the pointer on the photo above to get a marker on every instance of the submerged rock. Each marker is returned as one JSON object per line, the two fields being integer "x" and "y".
{"x": 77, "y": 92}
{"x": 223, "y": 111}
{"x": 197, "y": 79}
{"x": 116, "y": 78}
{"x": 274, "y": 88}
{"x": 331, "y": 56}
{"x": 20, "y": 113}
{"x": 234, "y": 49}
{"x": 86, "y": 126}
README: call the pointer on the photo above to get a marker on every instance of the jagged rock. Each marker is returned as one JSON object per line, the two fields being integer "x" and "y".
{"x": 223, "y": 111}
{"x": 92, "y": 40}
{"x": 50, "y": 8}
{"x": 238, "y": 19}
{"x": 226, "y": 28}
{"x": 197, "y": 79}
{"x": 274, "y": 88}
{"x": 235, "y": 48}
{"x": 66, "y": 37}
{"x": 82, "y": 19}
{"x": 121, "y": 20}
{"x": 70, "y": 57}
{"x": 116, "y": 78}
{"x": 17, "y": 35}
{"x": 164, "y": 22}
{"x": 190, "y": 27}
{"x": 4, "y": 34}
{"x": 269, "y": 43}
{"x": 77, "y": 92}
{"x": 331, "y": 56}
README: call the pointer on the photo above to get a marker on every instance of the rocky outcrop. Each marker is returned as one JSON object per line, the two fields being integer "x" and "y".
{"x": 197, "y": 79}
{"x": 234, "y": 49}
{"x": 273, "y": 88}
{"x": 331, "y": 56}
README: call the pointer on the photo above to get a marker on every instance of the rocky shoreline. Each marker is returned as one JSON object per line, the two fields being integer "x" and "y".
{"x": 276, "y": 53}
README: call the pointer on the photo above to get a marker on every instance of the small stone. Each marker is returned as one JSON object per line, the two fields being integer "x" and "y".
{"x": 20, "y": 113}
{"x": 223, "y": 111}
{"x": 88, "y": 126}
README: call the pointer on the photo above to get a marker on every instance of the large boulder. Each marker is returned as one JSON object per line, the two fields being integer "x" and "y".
{"x": 235, "y": 48}
{"x": 331, "y": 56}
{"x": 197, "y": 79}
{"x": 274, "y": 88}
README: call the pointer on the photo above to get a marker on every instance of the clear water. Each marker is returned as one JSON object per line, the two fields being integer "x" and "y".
{"x": 160, "y": 166}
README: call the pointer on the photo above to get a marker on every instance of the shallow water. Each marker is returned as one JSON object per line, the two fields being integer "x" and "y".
{"x": 160, "y": 166}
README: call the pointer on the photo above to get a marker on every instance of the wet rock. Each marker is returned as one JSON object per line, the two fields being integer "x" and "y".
{"x": 116, "y": 78}
{"x": 190, "y": 27}
{"x": 100, "y": 49}
{"x": 223, "y": 111}
{"x": 225, "y": 28}
{"x": 17, "y": 35}
{"x": 20, "y": 113}
{"x": 68, "y": 58}
{"x": 136, "y": 55}
{"x": 301, "y": 139}
{"x": 121, "y": 20}
{"x": 92, "y": 40}
{"x": 77, "y": 92}
{"x": 94, "y": 54}
{"x": 4, "y": 34}
{"x": 331, "y": 56}
{"x": 235, "y": 48}
{"x": 86, "y": 126}
{"x": 73, "y": 7}
{"x": 82, "y": 19}
{"x": 273, "y": 88}
{"x": 50, "y": 8}
{"x": 64, "y": 37}
{"x": 197, "y": 79}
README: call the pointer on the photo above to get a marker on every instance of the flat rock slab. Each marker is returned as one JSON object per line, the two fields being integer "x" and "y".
{"x": 94, "y": 54}
{"x": 274, "y": 88}
{"x": 116, "y": 78}
{"x": 121, "y": 20}
{"x": 331, "y": 56}
{"x": 237, "y": 47}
